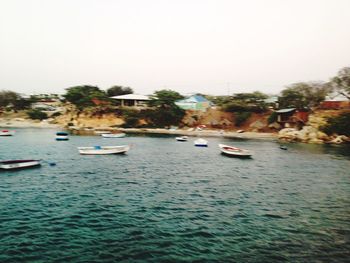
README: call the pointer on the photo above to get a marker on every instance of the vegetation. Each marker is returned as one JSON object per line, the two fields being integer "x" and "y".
{"x": 131, "y": 118}
{"x": 119, "y": 90}
{"x": 241, "y": 117}
{"x": 338, "y": 125}
{"x": 37, "y": 114}
{"x": 14, "y": 100}
{"x": 304, "y": 95}
{"x": 245, "y": 102}
{"x": 165, "y": 98}
{"x": 272, "y": 118}
{"x": 341, "y": 82}
{"x": 82, "y": 96}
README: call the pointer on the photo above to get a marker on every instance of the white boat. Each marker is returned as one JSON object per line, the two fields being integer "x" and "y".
{"x": 62, "y": 136}
{"x": 182, "y": 138}
{"x": 7, "y": 133}
{"x": 18, "y": 164}
{"x": 234, "y": 151}
{"x": 113, "y": 135}
{"x": 104, "y": 149}
{"x": 201, "y": 143}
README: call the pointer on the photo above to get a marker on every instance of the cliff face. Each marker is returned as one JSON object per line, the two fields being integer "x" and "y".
{"x": 88, "y": 118}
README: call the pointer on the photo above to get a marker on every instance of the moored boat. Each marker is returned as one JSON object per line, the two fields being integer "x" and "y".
{"x": 113, "y": 135}
{"x": 182, "y": 138}
{"x": 7, "y": 133}
{"x": 99, "y": 150}
{"x": 234, "y": 151}
{"x": 62, "y": 136}
{"x": 201, "y": 143}
{"x": 18, "y": 164}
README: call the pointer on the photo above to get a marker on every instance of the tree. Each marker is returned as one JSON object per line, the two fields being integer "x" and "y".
{"x": 13, "y": 99}
{"x": 8, "y": 97}
{"x": 82, "y": 96}
{"x": 165, "y": 98}
{"x": 304, "y": 95}
{"x": 119, "y": 90}
{"x": 338, "y": 124}
{"x": 166, "y": 112}
{"x": 341, "y": 82}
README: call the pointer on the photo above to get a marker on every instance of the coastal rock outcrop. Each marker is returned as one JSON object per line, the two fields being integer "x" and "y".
{"x": 309, "y": 134}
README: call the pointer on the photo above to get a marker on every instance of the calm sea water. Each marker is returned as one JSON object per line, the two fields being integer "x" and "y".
{"x": 167, "y": 201}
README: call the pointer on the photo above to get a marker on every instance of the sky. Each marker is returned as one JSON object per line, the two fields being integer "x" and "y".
{"x": 215, "y": 47}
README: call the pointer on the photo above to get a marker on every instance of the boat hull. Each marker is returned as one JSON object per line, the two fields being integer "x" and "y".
{"x": 103, "y": 150}
{"x": 7, "y": 133}
{"x": 234, "y": 151}
{"x": 111, "y": 135}
{"x": 62, "y": 138}
{"x": 182, "y": 139}
{"x": 19, "y": 164}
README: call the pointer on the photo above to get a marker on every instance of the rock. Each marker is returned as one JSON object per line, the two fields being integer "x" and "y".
{"x": 337, "y": 140}
{"x": 257, "y": 125}
{"x": 322, "y": 136}
{"x": 275, "y": 125}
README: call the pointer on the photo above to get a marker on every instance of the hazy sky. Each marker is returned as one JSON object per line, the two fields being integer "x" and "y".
{"x": 209, "y": 46}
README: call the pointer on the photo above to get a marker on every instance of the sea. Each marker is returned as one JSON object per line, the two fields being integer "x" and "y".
{"x": 168, "y": 201}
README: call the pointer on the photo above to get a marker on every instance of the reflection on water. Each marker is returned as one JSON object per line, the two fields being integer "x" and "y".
{"x": 171, "y": 201}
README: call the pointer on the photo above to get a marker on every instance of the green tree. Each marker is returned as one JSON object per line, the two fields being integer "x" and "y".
{"x": 36, "y": 114}
{"x": 303, "y": 95}
{"x": 8, "y": 97}
{"x": 341, "y": 82}
{"x": 82, "y": 96}
{"x": 119, "y": 90}
{"x": 339, "y": 124}
{"x": 165, "y": 98}
{"x": 166, "y": 112}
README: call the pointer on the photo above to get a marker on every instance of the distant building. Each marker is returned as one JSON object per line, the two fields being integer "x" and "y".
{"x": 132, "y": 100}
{"x": 335, "y": 101}
{"x": 272, "y": 102}
{"x": 292, "y": 117}
{"x": 194, "y": 102}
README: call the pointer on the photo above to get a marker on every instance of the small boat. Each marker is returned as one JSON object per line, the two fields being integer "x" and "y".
{"x": 182, "y": 138}
{"x": 201, "y": 143}
{"x": 283, "y": 147}
{"x": 113, "y": 135}
{"x": 62, "y": 136}
{"x": 18, "y": 164}
{"x": 104, "y": 149}
{"x": 234, "y": 151}
{"x": 7, "y": 133}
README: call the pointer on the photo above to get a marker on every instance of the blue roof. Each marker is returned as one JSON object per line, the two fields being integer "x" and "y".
{"x": 199, "y": 98}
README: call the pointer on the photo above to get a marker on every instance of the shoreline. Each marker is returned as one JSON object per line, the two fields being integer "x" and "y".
{"x": 205, "y": 133}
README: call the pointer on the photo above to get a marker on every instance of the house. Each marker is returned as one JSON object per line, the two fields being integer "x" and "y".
{"x": 292, "y": 117}
{"x": 335, "y": 101}
{"x": 194, "y": 102}
{"x": 132, "y": 100}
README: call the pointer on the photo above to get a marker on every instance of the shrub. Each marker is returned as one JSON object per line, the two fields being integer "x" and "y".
{"x": 272, "y": 118}
{"x": 56, "y": 114}
{"x": 339, "y": 124}
{"x": 241, "y": 117}
{"x": 37, "y": 114}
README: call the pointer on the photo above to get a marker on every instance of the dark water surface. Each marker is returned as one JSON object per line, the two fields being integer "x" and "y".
{"x": 167, "y": 201}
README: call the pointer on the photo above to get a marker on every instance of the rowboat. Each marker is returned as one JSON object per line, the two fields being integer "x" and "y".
{"x": 234, "y": 151}
{"x": 18, "y": 164}
{"x": 7, "y": 133}
{"x": 113, "y": 135}
{"x": 62, "y": 136}
{"x": 182, "y": 138}
{"x": 201, "y": 143}
{"x": 104, "y": 149}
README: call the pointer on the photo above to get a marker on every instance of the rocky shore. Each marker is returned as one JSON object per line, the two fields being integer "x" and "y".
{"x": 309, "y": 134}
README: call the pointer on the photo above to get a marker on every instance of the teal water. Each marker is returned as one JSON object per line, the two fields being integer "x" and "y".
{"x": 167, "y": 201}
